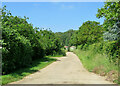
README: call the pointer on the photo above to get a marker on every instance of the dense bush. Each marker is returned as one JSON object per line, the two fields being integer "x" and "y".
{"x": 85, "y": 47}
{"x": 61, "y": 52}
{"x": 22, "y": 43}
{"x": 16, "y": 51}
{"x": 50, "y": 42}
{"x": 80, "y": 46}
{"x": 112, "y": 50}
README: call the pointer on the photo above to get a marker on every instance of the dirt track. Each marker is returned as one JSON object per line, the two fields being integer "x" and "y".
{"x": 67, "y": 70}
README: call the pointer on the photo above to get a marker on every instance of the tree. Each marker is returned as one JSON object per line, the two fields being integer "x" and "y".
{"x": 111, "y": 13}
{"x": 20, "y": 44}
{"x": 65, "y": 37}
{"x": 50, "y": 42}
{"x": 89, "y": 33}
{"x": 74, "y": 39}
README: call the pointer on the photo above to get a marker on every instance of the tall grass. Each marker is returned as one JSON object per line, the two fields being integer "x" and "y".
{"x": 95, "y": 62}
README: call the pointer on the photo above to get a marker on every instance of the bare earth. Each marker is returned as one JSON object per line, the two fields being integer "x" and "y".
{"x": 67, "y": 70}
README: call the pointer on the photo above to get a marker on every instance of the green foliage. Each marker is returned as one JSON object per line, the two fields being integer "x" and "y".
{"x": 74, "y": 39}
{"x": 85, "y": 47}
{"x": 80, "y": 46}
{"x": 61, "y": 52}
{"x": 89, "y": 33}
{"x": 22, "y": 43}
{"x": 16, "y": 51}
{"x": 65, "y": 37}
{"x": 111, "y": 13}
{"x": 50, "y": 42}
{"x": 110, "y": 49}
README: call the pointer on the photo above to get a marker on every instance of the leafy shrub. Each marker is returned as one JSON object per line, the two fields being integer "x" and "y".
{"x": 62, "y": 52}
{"x": 51, "y": 44}
{"x": 22, "y": 43}
{"x": 16, "y": 51}
{"x": 85, "y": 47}
{"x": 38, "y": 51}
{"x": 112, "y": 50}
{"x": 80, "y": 46}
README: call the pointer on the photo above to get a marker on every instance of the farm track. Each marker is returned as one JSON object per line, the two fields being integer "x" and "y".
{"x": 66, "y": 70}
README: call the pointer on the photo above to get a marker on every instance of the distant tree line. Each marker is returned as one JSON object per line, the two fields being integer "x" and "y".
{"x": 65, "y": 36}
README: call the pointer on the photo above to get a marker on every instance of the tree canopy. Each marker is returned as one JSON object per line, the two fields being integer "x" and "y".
{"x": 111, "y": 13}
{"x": 90, "y": 32}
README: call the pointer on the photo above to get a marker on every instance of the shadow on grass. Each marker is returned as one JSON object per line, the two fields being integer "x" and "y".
{"x": 30, "y": 68}
{"x": 20, "y": 73}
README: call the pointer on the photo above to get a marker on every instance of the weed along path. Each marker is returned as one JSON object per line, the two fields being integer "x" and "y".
{"x": 66, "y": 70}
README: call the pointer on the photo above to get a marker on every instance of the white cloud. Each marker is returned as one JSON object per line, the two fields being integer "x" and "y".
{"x": 67, "y": 6}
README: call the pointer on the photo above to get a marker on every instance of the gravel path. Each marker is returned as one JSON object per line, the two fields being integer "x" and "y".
{"x": 67, "y": 70}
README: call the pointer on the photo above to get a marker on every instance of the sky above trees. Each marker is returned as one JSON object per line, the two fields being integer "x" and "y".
{"x": 58, "y": 16}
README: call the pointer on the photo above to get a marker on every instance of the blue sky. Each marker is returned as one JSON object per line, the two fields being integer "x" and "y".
{"x": 58, "y": 16}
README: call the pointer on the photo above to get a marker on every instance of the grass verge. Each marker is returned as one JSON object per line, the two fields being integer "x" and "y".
{"x": 21, "y": 73}
{"x": 99, "y": 64}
